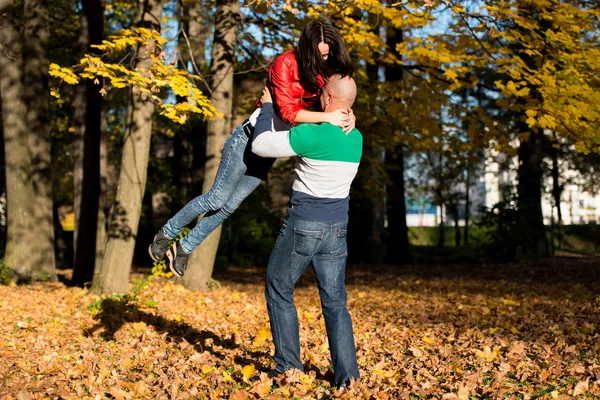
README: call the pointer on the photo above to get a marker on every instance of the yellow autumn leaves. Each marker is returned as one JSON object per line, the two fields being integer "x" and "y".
{"x": 421, "y": 332}
{"x": 149, "y": 83}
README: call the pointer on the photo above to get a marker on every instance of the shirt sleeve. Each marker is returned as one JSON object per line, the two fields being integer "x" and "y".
{"x": 267, "y": 142}
{"x": 281, "y": 79}
{"x": 302, "y": 139}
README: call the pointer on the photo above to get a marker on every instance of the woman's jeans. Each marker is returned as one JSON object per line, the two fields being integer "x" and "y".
{"x": 240, "y": 172}
{"x": 300, "y": 242}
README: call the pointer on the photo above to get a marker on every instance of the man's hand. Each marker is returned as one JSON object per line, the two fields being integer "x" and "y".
{"x": 339, "y": 118}
{"x": 266, "y": 96}
{"x": 352, "y": 119}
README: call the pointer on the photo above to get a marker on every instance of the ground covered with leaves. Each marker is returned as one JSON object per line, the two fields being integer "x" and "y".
{"x": 447, "y": 332}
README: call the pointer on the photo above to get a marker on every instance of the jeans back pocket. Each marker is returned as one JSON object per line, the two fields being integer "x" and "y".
{"x": 307, "y": 242}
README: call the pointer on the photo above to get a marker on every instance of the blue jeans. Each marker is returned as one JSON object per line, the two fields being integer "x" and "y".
{"x": 240, "y": 172}
{"x": 300, "y": 242}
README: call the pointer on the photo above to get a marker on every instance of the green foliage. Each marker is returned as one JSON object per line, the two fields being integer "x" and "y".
{"x": 501, "y": 231}
{"x": 6, "y": 273}
{"x": 578, "y": 239}
{"x": 95, "y": 306}
{"x": 249, "y": 234}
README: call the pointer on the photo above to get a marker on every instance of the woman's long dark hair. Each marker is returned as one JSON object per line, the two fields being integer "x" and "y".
{"x": 310, "y": 60}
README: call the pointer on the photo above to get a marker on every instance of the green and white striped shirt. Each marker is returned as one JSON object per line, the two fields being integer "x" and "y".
{"x": 327, "y": 162}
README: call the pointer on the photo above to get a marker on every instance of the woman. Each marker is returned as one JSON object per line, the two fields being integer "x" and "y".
{"x": 295, "y": 80}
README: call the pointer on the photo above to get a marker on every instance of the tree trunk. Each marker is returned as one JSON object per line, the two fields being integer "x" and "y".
{"x": 102, "y": 198}
{"x": 88, "y": 122}
{"x": 556, "y": 193}
{"x": 456, "y": 226}
{"x": 193, "y": 21}
{"x": 182, "y": 168}
{"x": 366, "y": 216}
{"x": 529, "y": 189}
{"x": 227, "y": 22}
{"x": 19, "y": 189}
{"x": 399, "y": 246}
{"x": 531, "y": 153}
{"x": 198, "y": 28}
{"x": 441, "y": 227}
{"x": 199, "y": 25}
{"x": 35, "y": 47}
{"x": 467, "y": 205}
{"x": 125, "y": 216}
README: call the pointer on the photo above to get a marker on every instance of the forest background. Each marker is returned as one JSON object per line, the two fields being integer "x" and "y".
{"x": 114, "y": 114}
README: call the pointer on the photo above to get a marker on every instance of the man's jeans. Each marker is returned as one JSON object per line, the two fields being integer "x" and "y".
{"x": 240, "y": 172}
{"x": 300, "y": 242}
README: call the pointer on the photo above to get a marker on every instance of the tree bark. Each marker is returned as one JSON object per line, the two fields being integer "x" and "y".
{"x": 125, "y": 215}
{"x": 194, "y": 21}
{"x": 19, "y": 189}
{"x": 88, "y": 122}
{"x": 366, "y": 216}
{"x": 102, "y": 198}
{"x": 227, "y": 22}
{"x": 529, "y": 189}
{"x": 199, "y": 25}
{"x": 35, "y": 57}
{"x": 399, "y": 246}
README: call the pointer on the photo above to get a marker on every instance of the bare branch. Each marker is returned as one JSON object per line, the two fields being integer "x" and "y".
{"x": 189, "y": 46}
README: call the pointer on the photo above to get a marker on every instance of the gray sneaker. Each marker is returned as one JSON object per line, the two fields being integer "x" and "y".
{"x": 177, "y": 259}
{"x": 159, "y": 246}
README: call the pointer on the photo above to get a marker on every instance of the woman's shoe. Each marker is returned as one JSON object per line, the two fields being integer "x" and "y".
{"x": 177, "y": 259}
{"x": 159, "y": 246}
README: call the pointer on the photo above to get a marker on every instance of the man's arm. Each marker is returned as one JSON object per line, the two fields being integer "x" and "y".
{"x": 266, "y": 142}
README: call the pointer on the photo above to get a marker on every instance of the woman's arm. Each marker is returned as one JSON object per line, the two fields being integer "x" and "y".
{"x": 282, "y": 77}
{"x": 337, "y": 117}
{"x": 345, "y": 119}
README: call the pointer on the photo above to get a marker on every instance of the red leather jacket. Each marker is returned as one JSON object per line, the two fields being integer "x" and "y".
{"x": 288, "y": 94}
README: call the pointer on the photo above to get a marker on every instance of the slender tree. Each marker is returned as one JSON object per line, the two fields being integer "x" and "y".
{"x": 398, "y": 246}
{"x": 227, "y": 21}
{"x": 196, "y": 29}
{"x": 366, "y": 214}
{"x": 102, "y": 198}
{"x": 114, "y": 275}
{"x": 35, "y": 69}
{"x": 19, "y": 189}
{"x": 88, "y": 123}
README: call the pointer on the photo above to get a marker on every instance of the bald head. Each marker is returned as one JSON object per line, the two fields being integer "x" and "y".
{"x": 338, "y": 93}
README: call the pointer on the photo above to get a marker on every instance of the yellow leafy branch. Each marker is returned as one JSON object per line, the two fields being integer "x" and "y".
{"x": 146, "y": 82}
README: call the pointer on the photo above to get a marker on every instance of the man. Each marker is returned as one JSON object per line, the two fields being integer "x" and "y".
{"x": 315, "y": 227}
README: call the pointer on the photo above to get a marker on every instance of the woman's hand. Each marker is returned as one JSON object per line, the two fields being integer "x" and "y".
{"x": 352, "y": 123}
{"x": 266, "y": 96}
{"x": 339, "y": 118}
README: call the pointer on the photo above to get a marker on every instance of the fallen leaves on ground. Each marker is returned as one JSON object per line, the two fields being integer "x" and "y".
{"x": 446, "y": 332}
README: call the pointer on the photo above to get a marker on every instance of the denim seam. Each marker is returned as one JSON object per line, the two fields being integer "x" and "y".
{"x": 335, "y": 242}
{"x": 276, "y": 333}
{"x": 337, "y": 275}
{"x": 229, "y": 159}
{"x": 341, "y": 265}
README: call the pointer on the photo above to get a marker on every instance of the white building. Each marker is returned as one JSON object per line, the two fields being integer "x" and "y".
{"x": 500, "y": 174}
